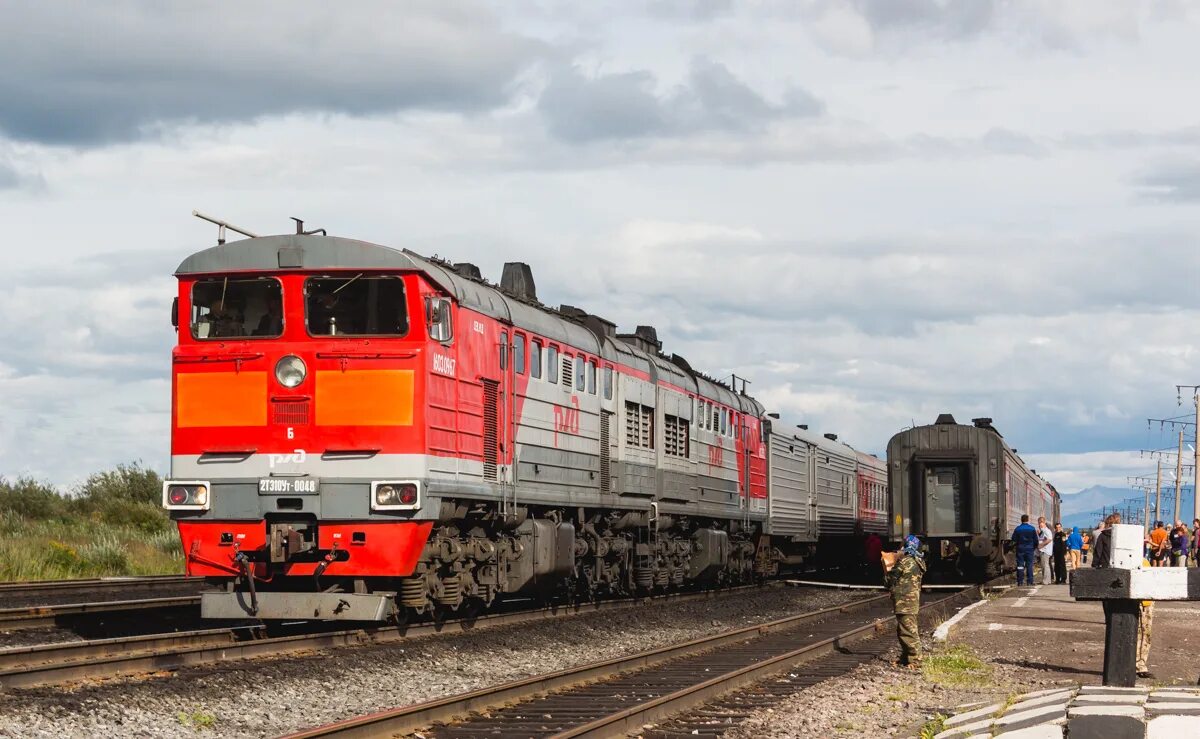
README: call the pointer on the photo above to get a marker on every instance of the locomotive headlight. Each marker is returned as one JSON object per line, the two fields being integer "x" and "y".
{"x": 395, "y": 495}
{"x": 290, "y": 371}
{"x": 185, "y": 495}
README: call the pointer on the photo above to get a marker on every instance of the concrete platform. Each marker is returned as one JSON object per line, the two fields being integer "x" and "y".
{"x": 1044, "y": 627}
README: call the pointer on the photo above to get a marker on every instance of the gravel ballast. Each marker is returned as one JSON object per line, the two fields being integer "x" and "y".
{"x": 272, "y": 696}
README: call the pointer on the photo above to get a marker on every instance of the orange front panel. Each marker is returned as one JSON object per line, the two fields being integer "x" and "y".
{"x": 220, "y": 399}
{"x": 364, "y": 397}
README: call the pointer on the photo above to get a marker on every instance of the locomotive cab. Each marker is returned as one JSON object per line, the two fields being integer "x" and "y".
{"x": 297, "y": 424}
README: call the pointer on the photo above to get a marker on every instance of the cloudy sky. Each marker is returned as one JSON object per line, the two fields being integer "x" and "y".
{"x": 876, "y": 210}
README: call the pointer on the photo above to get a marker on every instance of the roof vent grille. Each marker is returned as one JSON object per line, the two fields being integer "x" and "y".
{"x": 517, "y": 280}
{"x": 831, "y": 437}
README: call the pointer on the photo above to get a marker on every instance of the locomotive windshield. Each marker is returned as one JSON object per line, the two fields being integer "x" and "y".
{"x": 355, "y": 305}
{"x": 249, "y": 308}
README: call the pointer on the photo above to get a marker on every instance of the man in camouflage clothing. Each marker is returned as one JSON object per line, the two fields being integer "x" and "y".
{"x": 904, "y": 580}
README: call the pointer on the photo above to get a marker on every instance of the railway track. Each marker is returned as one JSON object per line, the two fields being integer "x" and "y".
{"x": 48, "y": 664}
{"x": 612, "y": 697}
{"x": 13, "y": 590}
{"x": 62, "y": 614}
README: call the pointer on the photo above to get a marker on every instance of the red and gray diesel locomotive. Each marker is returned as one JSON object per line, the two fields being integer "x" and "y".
{"x": 963, "y": 490}
{"x": 359, "y": 432}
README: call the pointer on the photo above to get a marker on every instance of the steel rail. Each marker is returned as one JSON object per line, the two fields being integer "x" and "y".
{"x": 25, "y": 667}
{"x": 29, "y": 617}
{"x": 412, "y": 718}
{"x": 654, "y": 710}
{"x": 97, "y": 583}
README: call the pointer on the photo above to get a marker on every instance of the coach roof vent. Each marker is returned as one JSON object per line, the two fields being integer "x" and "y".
{"x": 644, "y": 338}
{"x": 945, "y": 419}
{"x": 982, "y": 423}
{"x": 802, "y": 426}
{"x": 831, "y": 437}
{"x": 517, "y": 280}
{"x": 468, "y": 270}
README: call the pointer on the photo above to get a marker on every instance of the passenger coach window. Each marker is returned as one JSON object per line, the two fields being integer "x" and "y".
{"x": 358, "y": 305}
{"x": 519, "y": 353}
{"x": 244, "y": 308}
{"x": 552, "y": 364}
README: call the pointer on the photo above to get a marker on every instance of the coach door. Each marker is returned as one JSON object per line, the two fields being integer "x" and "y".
{"x": 944, "y": 499}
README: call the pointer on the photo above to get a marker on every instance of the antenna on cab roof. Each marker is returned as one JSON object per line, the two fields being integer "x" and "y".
{"x": 301, "y": 232}
{"x": 221, "y": 226}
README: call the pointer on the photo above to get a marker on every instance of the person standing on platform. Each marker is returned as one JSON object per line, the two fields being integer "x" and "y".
{"x": 1060, "y": 555}
{"x": 1087, "y": 545}
{"x": 1196, "y": 541}
{"x": 1075, "y": 547}
{"x": 904, "y": 580}
{"x": 1025, "y": 541}
{"x": 1159, "y": 541}
{"x": 1179, "y": 545}
{"x": 1045, "y": 549}
{"x": 1102, "y": 547}
{"x": 1145, "y": 623}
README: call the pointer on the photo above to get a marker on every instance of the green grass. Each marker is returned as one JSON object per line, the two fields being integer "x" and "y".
{"x": 112, "y": 524}
{"x": 957, "y": 666}
{"x": 933, "y": 727}
{"x": 198, "y": 720}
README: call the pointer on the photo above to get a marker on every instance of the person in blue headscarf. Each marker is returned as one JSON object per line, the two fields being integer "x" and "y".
{"x": 904, "y": 580}
{"x": 1075, "y": 547}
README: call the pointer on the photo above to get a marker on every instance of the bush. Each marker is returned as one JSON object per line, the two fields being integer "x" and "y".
{"x": 142, "y": 516}
{"x": 128, "y": 482}
{"x": 31, "y": 499}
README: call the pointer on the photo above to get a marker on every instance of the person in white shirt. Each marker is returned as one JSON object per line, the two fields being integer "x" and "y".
{"x": 1045, "y": 548}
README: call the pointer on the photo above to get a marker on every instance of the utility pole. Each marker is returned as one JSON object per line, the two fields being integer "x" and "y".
{"x": 1179, "y": 475}
{"x": 1196, "y": 475}
{"x": 1158, "y": 492}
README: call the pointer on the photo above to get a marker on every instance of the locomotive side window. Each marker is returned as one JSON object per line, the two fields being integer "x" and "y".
{"x": 360, "y": 305}
{"x": 608, "y": 382}
{"x": 519, "y": 353}
{"x": 580, "y": 369}
{"x": 592, "y": 377}
{"x": 552, "y": 364}
{"x": 503, "y": 350}
{"x": 244, "y": 308}
{"x": 535, "y": 359}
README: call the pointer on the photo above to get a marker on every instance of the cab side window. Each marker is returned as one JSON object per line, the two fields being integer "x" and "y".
{"x": 535, "y": 359}
{"x": 519, "y": 353}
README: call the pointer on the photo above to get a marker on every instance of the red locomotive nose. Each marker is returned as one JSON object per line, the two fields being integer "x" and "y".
{"x": 178, "y": 496}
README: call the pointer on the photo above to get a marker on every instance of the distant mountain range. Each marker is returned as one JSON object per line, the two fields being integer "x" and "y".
{"x": 1083, "y": 508}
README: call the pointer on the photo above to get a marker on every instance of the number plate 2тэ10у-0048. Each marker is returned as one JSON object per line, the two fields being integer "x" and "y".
{"x": 288, "y": 486}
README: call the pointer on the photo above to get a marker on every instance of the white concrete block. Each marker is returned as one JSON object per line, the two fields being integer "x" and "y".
{"x": 1040, "y": 714}
{"x": 1111, "y": 699}
{"x": 975, "y": 727}
{"x": 1047, "y": 691}
{"x": 976, "y": 714}
{"x": 1121, "y": 710}
{"x": 1062, "y": 696}
{"x": 1171, "y": 727}
{"x": 1126, "y": 543}
{"x": 1105, "y": 690}
{"x": 1043, "y": 731}
{"x": 1159, "y": 583}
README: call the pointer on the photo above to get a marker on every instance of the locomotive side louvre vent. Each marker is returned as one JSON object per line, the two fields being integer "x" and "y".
{"x": 675, "y": 436}
{"x": 639, "y": 426}
{"x": 289, "y": 412}
{"x": 568, "y": 380}
{"x": 605, "y": 451}
{"x": 491, "y": 428}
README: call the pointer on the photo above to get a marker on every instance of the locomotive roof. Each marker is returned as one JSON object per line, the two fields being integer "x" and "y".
{"x": 316, "y": 252}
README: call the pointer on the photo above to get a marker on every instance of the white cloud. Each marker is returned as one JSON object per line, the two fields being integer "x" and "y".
{"x": 965, "y": 226}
